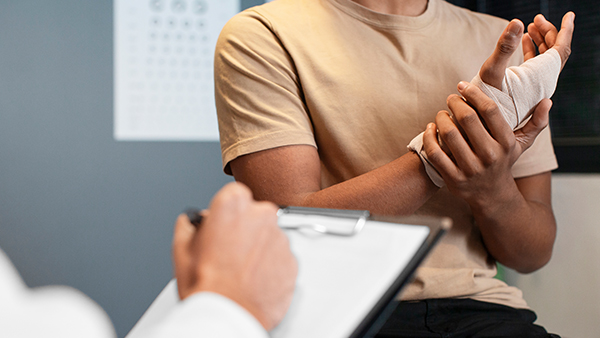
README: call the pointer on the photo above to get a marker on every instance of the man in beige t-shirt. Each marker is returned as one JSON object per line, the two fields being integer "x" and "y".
{"x": 317, "y": 100}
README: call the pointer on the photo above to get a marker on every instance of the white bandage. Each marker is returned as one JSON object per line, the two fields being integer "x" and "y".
{"x": 523, "y": 88}
{"x": 416, "y": 145}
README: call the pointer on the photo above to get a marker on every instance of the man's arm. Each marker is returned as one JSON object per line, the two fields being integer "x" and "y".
{"x": 514, "y": 216}
{"x": 291, "y": 175}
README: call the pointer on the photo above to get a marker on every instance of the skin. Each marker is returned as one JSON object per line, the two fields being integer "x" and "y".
{"x": 492, "y": 71}
{"x": 545, "y": 36}
{"x": 238, "y": 252}
{"x": 515, "y": 215}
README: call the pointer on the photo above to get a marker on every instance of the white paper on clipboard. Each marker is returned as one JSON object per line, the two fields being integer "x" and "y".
{"x": 341, "y": 278}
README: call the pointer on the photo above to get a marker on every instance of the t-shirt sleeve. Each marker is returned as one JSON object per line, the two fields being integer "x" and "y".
{"x": 538, "y": 158}
{"x": 257, "y": 90}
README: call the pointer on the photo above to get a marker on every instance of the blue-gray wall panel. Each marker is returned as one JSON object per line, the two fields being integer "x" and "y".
{"x": 77, "y": 207}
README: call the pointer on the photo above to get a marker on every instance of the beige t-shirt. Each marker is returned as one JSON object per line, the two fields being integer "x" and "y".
{"x": 359, "y": 85}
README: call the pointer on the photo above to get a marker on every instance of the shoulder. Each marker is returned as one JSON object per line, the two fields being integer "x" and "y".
{"x": 270, "y": 16}
{"x": 282, "y": 29}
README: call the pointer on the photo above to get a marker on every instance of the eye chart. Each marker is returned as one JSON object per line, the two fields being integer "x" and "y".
{"x": 163, "y": 68}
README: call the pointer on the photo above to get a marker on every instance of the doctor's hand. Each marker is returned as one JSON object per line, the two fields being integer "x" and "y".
{"x": 238, "y": 252}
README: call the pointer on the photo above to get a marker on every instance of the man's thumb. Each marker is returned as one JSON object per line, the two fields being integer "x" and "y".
{"x": 492, "y": 71}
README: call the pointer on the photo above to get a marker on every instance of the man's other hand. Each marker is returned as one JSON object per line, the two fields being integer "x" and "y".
{"x": 480, "y": 168}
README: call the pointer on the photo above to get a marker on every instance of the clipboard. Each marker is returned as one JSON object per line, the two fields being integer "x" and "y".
{"x": 381, "y": 253}
{"x": 352, "y": 265}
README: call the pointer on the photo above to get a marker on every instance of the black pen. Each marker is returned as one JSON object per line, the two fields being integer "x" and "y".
{"x": 195, "y": 216}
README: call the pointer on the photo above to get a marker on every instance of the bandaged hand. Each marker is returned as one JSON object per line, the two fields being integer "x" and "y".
{"x": 524, "y": 86}
{"x": 518, "y": 90}
{"x": 521, "y": 88}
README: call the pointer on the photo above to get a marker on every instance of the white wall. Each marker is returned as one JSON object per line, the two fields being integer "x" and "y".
{"x": 566, "y": 293}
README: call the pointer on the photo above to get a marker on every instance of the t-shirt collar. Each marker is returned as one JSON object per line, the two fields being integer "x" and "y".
{"x": 388, "y": 20}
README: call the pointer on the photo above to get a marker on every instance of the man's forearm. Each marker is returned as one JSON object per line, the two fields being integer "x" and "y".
{"x": 292, "y": 176}
{"x": 397, "y": 188}
{"x": 517, "y": 231}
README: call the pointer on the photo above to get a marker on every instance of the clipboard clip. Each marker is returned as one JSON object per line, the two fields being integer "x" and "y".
{"x": 361, "y": 217}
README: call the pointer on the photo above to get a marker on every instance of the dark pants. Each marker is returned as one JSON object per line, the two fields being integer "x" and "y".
{"x": 460, "y": 318}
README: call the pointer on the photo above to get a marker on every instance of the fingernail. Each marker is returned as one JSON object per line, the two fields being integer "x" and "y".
{"x": 514, "y": 29}
{"x": 462, "y": 85}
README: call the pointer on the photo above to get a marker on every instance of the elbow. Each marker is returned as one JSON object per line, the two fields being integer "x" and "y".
{"x": 534, "y": 255}
{"x": 530, "y": 262}
{"x": 532, "y": 266}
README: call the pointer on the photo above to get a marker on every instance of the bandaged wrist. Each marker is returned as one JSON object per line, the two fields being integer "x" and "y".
{"x": 416, "y": 145}
{"x": 524, "y": 86}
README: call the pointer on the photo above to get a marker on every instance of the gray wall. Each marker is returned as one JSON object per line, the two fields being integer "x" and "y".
{"x": 77, "y": 207}
{"x": 565, "y": 293}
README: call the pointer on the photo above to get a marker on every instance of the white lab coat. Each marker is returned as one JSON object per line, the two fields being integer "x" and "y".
{"x": 61, "y": 311}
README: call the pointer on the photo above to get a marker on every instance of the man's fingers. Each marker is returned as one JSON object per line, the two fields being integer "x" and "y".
{"x": 567, "y": 26}
{"x": 537, "y": 37}
{"x": 470, "y": 122}
{"x": 546, "y": 29}
{"x": 539, "y": 120}
{"x": 529, "y": 50}
{"x": 435, "y": 154}
{"x": 545, "y": 36}
{"x": 492, "y": 71}
{"x": 449, "y": 133}
{"x": 564, "y": 37}
{"x": 489, "y": 112}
